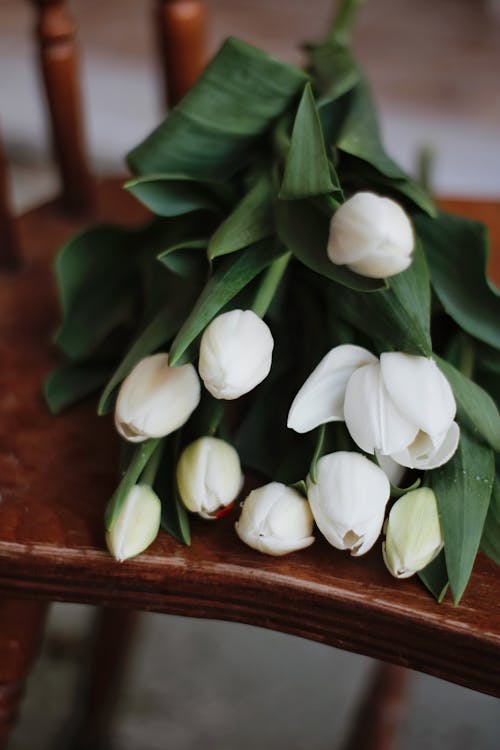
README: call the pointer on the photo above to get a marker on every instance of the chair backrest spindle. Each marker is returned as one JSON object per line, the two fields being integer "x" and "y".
{"x": 10, "y": 254}
{"x": 56, "y": 36}
{"x": 181, "y": 26}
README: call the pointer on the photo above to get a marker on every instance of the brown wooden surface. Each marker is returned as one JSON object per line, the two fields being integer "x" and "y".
{"x": 21, "y": 625}
{"x": 55, "y": 31}
{"x": 56, "y": 475}
{"x": 181, "y": 30}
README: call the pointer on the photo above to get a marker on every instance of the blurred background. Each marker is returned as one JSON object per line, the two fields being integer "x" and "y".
{"x": 434, "y": 66}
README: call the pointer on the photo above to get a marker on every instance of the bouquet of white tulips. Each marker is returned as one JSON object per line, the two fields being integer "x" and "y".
{"x": 275, "y": 316}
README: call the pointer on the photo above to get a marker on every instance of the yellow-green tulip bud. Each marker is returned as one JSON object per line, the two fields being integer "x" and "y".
{"x": 137, "y": 524}
{"x": 413, "y": 534}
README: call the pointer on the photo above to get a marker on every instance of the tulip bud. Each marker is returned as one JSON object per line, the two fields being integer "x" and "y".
{"x": 156, "y": 399}
{"x": 371, "y": 235}
{"x": 275, "y": 520}
{"x": 348, "y": 500}
{"x": 208, "y": 476}
{"x": 413, "y": 535}
{"x": 137, "y": 524}
{"x": 235, "y": 354}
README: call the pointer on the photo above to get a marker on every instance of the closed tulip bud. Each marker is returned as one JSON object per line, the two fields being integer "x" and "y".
{"x": 137, "y": 524}
{"x": 348, "y": 500}
{"x": 156, "y": 399}
{"x": 235, "y": 354}
{"x": 209, "y": 476}
{"x": 413, "y": 534}
{"x": 371, "y": 235}
{"x": 276, "y": 520}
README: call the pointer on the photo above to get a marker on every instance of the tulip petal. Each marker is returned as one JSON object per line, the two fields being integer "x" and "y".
{"x": 424, "y": 453}
{"x": 371, "y": 416}
{"x": 419, "y": 390}
{"x": 393, "y": 471}
{"x": 348, "y": 500}
{"x": 321, "y": 398}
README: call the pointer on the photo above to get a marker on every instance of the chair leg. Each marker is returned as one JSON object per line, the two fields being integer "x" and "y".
{"x": 21, "y": 628}
{"x": 381, "y": 711}
{"x": 114, "y": 629}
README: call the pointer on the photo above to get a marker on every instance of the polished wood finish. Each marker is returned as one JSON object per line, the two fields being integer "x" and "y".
{"x": 382, "y": 710}
{"x": 21, "y": 626}
{"x": 181, "y": 29}
{"x": 55, "y": 32}
{"x": 56, "y": 475}
{"x": 10, "y": 253}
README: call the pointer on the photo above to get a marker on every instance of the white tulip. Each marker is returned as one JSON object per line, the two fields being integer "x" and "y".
{"x": 371, "y": 235}
{"x": 156, "y": 399}
{"x": 137, "y": 524}
{"x": 209, "y": 476}
{"x": 413, "y": 534}
{"x": 348, "y": 500}
{"x": 276, "y": 520}
{"x": 321, "y": 398}
{"x": 402, "y": 407}
{"x": 235, "y": 354}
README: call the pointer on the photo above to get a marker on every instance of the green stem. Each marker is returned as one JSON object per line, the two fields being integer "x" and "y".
{"x": 134, "y": 471}
{"x": 269, "y": 285}
{"x": 318, "y": 451}
{"x": 148, "y": 476}
{"x": 343, "y": 22}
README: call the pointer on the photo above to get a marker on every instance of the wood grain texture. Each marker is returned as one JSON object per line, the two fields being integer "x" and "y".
{"x": 55, "y": 31}
{"x": 56, "y": 475}
{"x": 181, "y": 33}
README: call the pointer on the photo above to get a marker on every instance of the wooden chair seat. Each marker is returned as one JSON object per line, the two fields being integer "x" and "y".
{"x": 57, "y": 473}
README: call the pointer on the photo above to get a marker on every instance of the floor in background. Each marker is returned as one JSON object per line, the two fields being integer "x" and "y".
{"x": 221, "y": 686}
{"x": 192, "y": 684}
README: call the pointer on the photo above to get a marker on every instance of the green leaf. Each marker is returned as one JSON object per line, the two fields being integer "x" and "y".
{"x": 333, "y": 69}
{"x": 397, "y": 317}
{"x": 476, "y": 409}
{"x": 231, "y": 276}
{"x": 490, "y": 541}
{"x": 210, "y": 132}
{"x": 268, "y": 287}
{"x": 457, "y": 252}
{"x": 304, "y": 229}
{"x": 142, "y": 455}
{"x": 360, "y": 133}
{"x": 70, "y": 383}
{"x": 307, "y": 172}
{"x": 435, "y": 577}
{"x": 174, "y": 517}
{"x": 95, "y": 274}
{"x": 463, "y": 490}
{"x": 173, "y": 195}
{"x": 182, "y": 261}
{"x": 251, "y": 221}
{"x": 157, "y": 332}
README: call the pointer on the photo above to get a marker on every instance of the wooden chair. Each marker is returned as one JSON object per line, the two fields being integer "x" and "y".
{"x": 56, "y": 474}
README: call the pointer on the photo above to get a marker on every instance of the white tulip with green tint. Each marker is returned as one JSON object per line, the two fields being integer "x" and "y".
{"x": 372, "y": 236}
{"x": 156, "y": 399}
{"x": 137, "y": 524}
{"x": 413, "y": 533}
{"x": 209, "y": 476}
{"x": 348, "y": 500}
{"x": 276, "y": 520}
